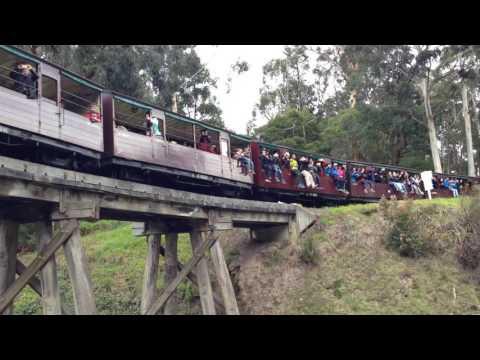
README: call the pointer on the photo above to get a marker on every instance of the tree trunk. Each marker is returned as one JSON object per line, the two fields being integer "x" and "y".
{"x": 353, "y": 98}
{"x": 432, "y": 133}
{"x": 468, "y": 131}
{"x": 174, "y": 103}
{"x": 476, "y": 118}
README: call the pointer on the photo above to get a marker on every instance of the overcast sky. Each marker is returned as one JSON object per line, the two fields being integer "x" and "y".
{"x": 237, "y": 105}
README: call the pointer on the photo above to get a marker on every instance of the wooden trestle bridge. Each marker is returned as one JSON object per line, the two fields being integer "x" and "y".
{"x": 58, "y": 199}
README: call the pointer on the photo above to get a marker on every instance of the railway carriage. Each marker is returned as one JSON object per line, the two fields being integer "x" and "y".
{"x": 72, "y": 122}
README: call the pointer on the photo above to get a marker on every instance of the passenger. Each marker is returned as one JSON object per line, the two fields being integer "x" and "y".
{"x": 155, "y": 128}
{"x": 302, "y": 167}
{"x": 205, "y": 141}
{"x": 285, "y": 161}
{"x": 319, "y": 166}
{"x": 149, "y": 125}
{"x": 267, "y": 165}
{"x": 396, "y": 183}
{"x": 415, "y": 185}
{"x": 339, "y": 178}
{"x": 294, "y": 165}
{"x": 277, "y": 169}
{"x": 453, "y": 187}
{"x": 213, "y": 149}
{"x": 314, "y": 171}
{"x": 307, "y": 176}
{"x": 25, "y": 80}
{"x": 248, "y": 160}
{"x": 244, "y": 161}
{"x": 238, "y": 155}
{"x": 369, "y": 179}
{"x": 356, "y": 175}
{"x": 331, "y": 170}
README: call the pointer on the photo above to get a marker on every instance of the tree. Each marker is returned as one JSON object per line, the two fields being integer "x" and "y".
{"x": 284, "y": 84}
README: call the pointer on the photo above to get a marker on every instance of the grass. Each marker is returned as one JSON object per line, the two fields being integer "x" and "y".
{"x": 356, "y": 274}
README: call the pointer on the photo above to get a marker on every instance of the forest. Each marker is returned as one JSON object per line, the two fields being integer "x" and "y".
{"x": 409, "y": 105}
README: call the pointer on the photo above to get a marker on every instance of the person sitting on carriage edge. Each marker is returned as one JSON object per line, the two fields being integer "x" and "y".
{"x": 267, "y": 165}
{"x": 277, "y": 169}
{"x": 294, "y": 165}
{"x": 339, "y": 178}
{"x": 25, "y": 80}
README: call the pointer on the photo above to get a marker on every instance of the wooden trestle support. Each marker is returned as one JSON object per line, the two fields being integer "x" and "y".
{"x": 57, "y": 200}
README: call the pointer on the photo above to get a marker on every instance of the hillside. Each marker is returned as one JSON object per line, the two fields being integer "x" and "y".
{"x": 343, "y": 265}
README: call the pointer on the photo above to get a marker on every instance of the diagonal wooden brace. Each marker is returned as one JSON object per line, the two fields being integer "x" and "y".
{"x": 191, "y": 276}
{"x": 37, "y": 264}
{"x": 168, "y": 291}
{"x": 34, "y": 282}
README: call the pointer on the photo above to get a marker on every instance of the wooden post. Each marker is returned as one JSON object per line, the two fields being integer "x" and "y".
{"x": 48, "y": 275}
{"x": 170, "y": 288}
{"x": 62, "y": 235}
{"x": 8, "y": 257}
{"x": 193, "y": 278}
{"x": 151, "y": 272}
{"x": 171, "y": 270}
{"x": 79, "y": 275}
{"x": 223, "y": 279}
{"x": 203, "y": 278}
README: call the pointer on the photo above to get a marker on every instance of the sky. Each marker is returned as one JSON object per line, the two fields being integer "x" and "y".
{"x": 237, "y": 105}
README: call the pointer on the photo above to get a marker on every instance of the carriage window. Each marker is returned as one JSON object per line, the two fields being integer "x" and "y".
{"x": 49, "y": 88}
{"x": 130, "y": 117}
{"x": 179, "y": 132}
{"x": 80, "y": 99}
{"x": 224, "y": 147}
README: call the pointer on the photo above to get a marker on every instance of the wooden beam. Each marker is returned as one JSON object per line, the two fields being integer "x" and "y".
{"x": 191, "y": 276}
{"x": 51, "y": 302}
{"x": 223, "y": 279}
{"x": 201, "y": 271}
{"x": 170, "y": 288}
{"x": 34, "y": 283}
{"x": 62, "y": 235}
{"x": 8, "y": 256}
{"x": 76, "y": 259}
{"x": 151, "y": 272}
{"x": 171, "y": 270}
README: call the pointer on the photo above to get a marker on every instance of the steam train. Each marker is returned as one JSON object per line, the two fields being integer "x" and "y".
{"x": 73, "y": 123}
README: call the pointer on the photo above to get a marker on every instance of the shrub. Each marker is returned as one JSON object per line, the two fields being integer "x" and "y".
{"x": 468, "y": 250}
{"x": 414, "y": 231}
{"x": 309, "y": 253}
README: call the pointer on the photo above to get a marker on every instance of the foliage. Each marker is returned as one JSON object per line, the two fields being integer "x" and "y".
{"x": 309, "y": 253}
{"x": 468, "y": 251}
{"x": 367, "y": 104}
{"x": 417, "y": 231}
